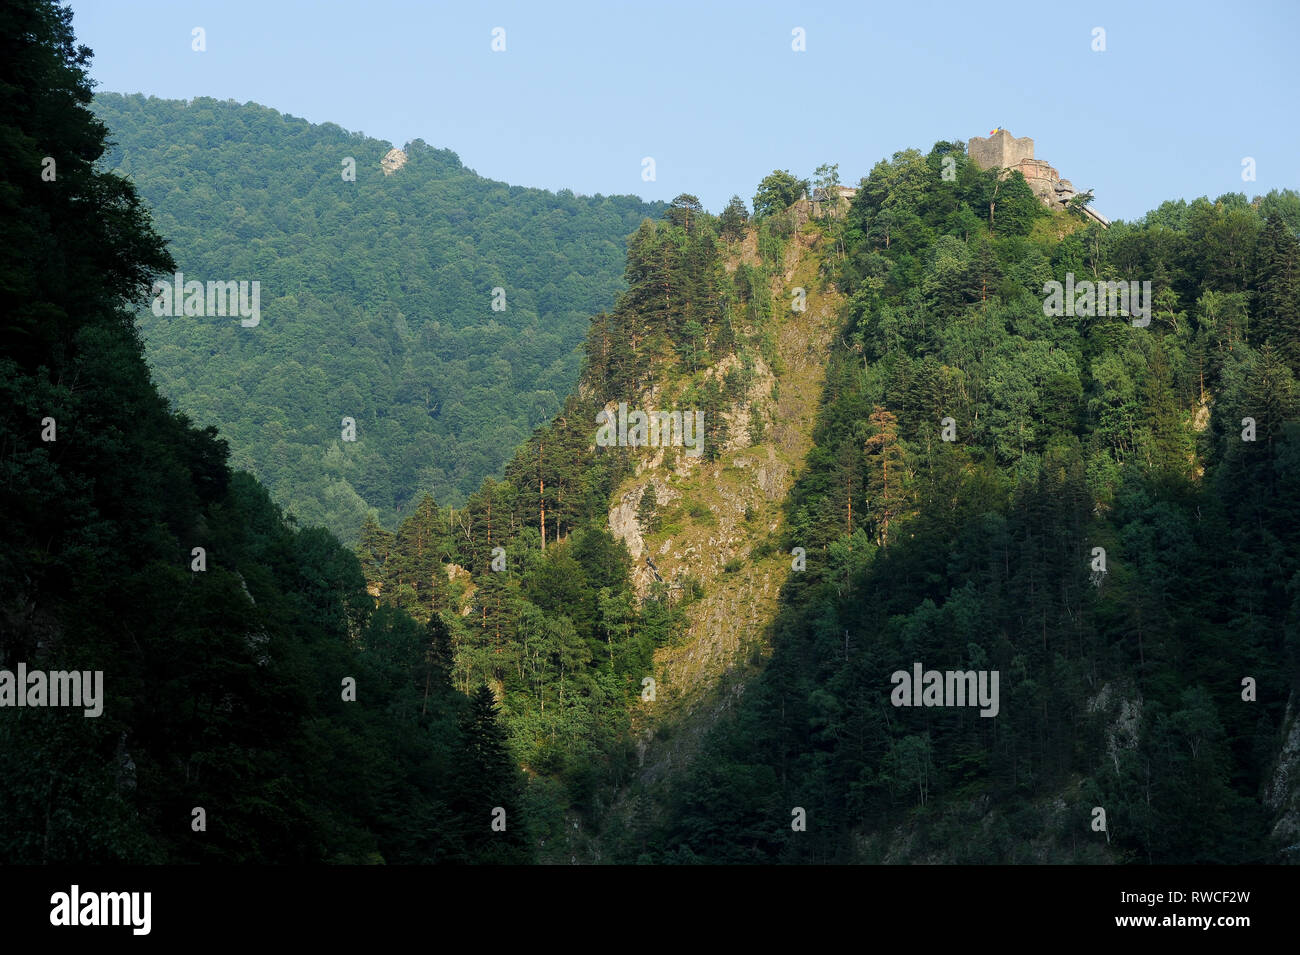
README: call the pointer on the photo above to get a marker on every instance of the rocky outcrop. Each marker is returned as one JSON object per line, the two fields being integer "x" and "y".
{"x": 1124, "y": 720}
{"x": 393, "y": 160}
{"x": 1282, "y": 793}
{"x": 1001, "y": 150}
{"x": 714, "y": 514}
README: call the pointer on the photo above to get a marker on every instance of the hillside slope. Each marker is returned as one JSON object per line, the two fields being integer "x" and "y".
{"x": 1098, "y": 510}
{"x": 204, "y": 681}
{"x": 976, "y": 485}
{"x": 378, "y": 300}
{"x": 731, "y": 512}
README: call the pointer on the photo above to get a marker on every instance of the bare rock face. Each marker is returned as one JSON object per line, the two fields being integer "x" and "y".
{"x": 393, "y": 160}
{"x": 623, "y": 523}
{"x": 1282, "y": 793}
{"x": 1124, "y": 720}
{"x": 773, "y": 477}
{"x": 458, "y": 575}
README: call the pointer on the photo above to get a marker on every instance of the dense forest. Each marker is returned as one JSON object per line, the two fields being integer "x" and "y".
{"x": 227, "y": 636}
{"x": 377, "y": 301}
{"x": 1122, "y": 672}
{"x": 1097, "y": 507}
{"x": 1122, "y": 669}
{"x": 536, "y": 590}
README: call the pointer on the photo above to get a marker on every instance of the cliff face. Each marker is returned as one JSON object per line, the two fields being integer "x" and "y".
{"x": 1083, "y": 726}
{"x": 716, "y": 517}
{"x": 1282, "y": 795}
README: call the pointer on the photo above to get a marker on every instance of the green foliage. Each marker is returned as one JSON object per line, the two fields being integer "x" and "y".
{"x": 1071, "y": 433}
{"x": 1277, "y": 285}
{"x": 773, "y": 233}
{"x": 222, "y": 686}
{"x": 557, "y": 633}
{"x": 733, "y": 219}
{"x": 777, "y": 192}
{"x": 495, "y": 639}
{"x": 376, "y": 301}
{"x": 827, "y": 179}
{"x": 647, "y": 512}
{"x": 684, "y": 212}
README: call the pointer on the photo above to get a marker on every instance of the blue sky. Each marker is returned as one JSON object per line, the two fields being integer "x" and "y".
{"x": 715, "y": 94}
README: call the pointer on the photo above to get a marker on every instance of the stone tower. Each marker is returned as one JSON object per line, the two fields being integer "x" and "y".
{"x": 1001, "y": 150}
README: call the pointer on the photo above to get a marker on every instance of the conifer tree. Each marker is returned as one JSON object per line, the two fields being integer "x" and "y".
{"x": 733, "y": 220}
{"x": 884, "y": 470}
{"x": 491, "y": 782}
{"x": 1277, "y": 296}
{"x": 373, "y": 549}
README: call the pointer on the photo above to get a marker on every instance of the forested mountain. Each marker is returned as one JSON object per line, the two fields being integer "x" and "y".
{"x": 377, "y": 301}
{"x": 225, "y": 638}
{"x": 542, "y": 599}
{"x": 1154, "y": 678}
{"x": 1077, "y": 502}
{"x": 633, "y": 648}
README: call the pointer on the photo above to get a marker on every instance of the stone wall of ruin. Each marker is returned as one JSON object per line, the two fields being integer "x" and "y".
{"x": 1001, "y": 150}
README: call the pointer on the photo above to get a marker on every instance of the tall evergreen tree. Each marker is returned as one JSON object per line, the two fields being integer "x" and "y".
{"x": 733, "y": 220}
{"x": 1277, "y": 295}
{"x": 491, "y": 784}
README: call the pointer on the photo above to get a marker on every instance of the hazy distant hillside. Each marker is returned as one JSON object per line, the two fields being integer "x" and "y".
{"x": 376, "y": 300}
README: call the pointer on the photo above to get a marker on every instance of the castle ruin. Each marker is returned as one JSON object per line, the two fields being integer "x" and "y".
{"x": 1001, "y": 150}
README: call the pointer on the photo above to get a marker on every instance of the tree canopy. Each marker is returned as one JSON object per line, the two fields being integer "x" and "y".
{"x": 379, "y": 301}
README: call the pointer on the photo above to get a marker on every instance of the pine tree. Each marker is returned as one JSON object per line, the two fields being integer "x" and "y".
{"x": 684, "y": 211}
{"x": 490, "y": 783}
{"x": 885, "y": 471}
{"x": 439, "y": 659}
{"x": 1277, "y": 296}
{"x": 647, "y": 510}
{"x": 733, "y": 220}
{"x": 373, "y": 549}
{"x": 421, "y": 551}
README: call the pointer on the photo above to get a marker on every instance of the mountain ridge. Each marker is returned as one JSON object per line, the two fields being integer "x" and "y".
{"x": 379, "y": 300}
